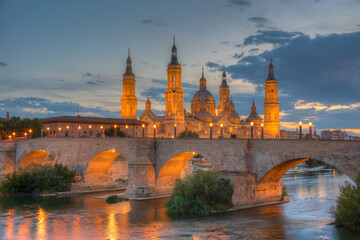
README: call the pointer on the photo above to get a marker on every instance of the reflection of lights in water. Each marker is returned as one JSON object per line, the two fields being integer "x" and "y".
{"x": 41, "y": 224}
{"x": 112, "y": 227}
{"x": 24, "y": 229}
{"x": 295, "y": 177}
{"x": 9, "y": 230}
{"x": 334, "y": 173}
{"x": 196, "y": 237}
{"x": 114, "y": 213}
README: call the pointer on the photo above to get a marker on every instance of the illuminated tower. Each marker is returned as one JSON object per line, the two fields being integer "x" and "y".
{"x": 224, "y": 93}
{"x": 271, "y": 106}
{"x": 174, "y": 96}
{"x": 128, "y": 100}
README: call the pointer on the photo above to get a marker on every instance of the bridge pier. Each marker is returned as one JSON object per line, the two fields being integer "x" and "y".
{"x": 7, "y": 158}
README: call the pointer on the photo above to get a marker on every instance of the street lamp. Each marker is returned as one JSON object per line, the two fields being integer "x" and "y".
{"x": 211, "y": 130}
{"x": 67, "y": 131}
{"x": 310, "y": 132}
{"x": 222, "y": 130}
{"x": 115, "y": 130}
{"x": 154, "y": 130}
{"x": 126, "y": 130}
{"x": 175, "y": 130}
{"x": 143, "y": 126}
{"x": 48, "y": 131}
{"x": 30, "y": 131}
{"x": 252, "y": 130}
{"x": 79, "y": 127}
{"x": 102, "y": 130}
{"x": 262, "y": 131}
{"x": 59, "y": 131}
{"x": 300, "y": 130}
{"x": 25, "y": 134}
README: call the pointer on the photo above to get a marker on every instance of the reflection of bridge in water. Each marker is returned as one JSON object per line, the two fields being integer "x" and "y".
{"x": 152, "y": 165}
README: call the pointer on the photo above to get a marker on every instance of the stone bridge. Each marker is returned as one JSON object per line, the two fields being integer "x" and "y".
{"x": 151, "y": 165}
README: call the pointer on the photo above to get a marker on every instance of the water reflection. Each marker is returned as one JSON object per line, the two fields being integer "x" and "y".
{"x": 86, "y": 217}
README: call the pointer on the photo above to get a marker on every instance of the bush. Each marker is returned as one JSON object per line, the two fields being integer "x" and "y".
{"x": 115, "y": 199}
{"x": 190, "y": 134}
{"x": 37, "y": 178}
{"x": 200, "y": 193}
{"x": 347, "y": 210}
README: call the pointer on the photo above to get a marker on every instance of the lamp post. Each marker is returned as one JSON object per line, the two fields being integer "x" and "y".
{"x": 154, "y": 130}
{"x": 126, "y": 130}
{"x": 79, "y": 128}
{"x": 25, "y": 134}
{"x": 143, "y": 126}
{"x": 310, "y": 131}
{"x": 115, "y": 133}
{"x": 175, "y": 130}
{"x": 102, "y": 130}
{"x": 59, "y": 131}
{"x": 67, "y": 131}
{"x": 222, "y": 130}
{"x": 30, "y": 131}
{"x": 300, "y": 130}
{"x": 252, "y": 130}
{"x": 211, "y": 130}
{"x": 48, "y": 131}
{"x": 262, "y": 131}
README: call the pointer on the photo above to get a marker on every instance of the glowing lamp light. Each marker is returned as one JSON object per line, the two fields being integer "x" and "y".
{"x": 194, "y": 153}
{"x": 211, "y": 124}
{"x": 30, "y": 131}
{"x": 115, "y": 126}
{"x": 113, "y": 150}
{"x": 175, "y": 125}
{"x": 9, "y": 136}
{"x": 154, "y": 125}
{"x": 126, "y": 126}
{"x": 25, "y": 134}
{"x": 101, "y": 127}
{"x": 252, "y": 124}
{"x": 48, "y": 128}
{"x": 221, "y": 125}
{"x": 79, "y": 127}
{"x": 300, "y": 123}
{"x": 59, "y": 128}
{"x": 262, "y": 124}
{"x": 67, "y": 127}
{"x": 143, "y": 125}
{"x": 90, "y": 126}
{"x": 14, "y": 133}
{"x": 310, "y": 123}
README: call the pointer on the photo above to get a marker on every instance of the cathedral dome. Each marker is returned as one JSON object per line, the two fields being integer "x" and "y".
{"x": 203, "y": 95}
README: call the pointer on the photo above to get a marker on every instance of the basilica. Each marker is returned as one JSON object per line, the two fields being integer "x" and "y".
{"x": 204, "y": 117}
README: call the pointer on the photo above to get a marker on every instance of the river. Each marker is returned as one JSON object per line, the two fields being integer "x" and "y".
{"x": 314, "y": 191}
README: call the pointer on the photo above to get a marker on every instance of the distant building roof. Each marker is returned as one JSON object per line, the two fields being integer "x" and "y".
{"x": 79, "y": 119}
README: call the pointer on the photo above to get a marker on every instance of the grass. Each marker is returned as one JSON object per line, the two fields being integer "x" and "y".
{"x": 115, "y": 199}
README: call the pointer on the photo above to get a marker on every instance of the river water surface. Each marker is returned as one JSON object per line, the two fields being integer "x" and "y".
{"x": 314, "y": 191}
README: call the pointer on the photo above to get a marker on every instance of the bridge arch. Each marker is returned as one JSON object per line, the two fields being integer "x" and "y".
{"x": 35, "y": 156}
{"x": 172, "y": 170}
{"x": 107, "y": 166}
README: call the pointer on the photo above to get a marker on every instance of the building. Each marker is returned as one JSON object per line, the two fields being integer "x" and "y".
{"x": 70, "y": 126}
{"x": 333, "y": 135}
{"x": 128, "y": 100}
{"x": 204, "y": 117}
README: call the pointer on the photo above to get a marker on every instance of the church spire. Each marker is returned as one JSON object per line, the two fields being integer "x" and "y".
{"x": 174, "y": 59}
{"x": 271, "y": 71}
{"x": 128, "y": 71}
{"x": 202, "y": 81}
{"x": 224, "y": 82}
{"x": 253, "y": 107}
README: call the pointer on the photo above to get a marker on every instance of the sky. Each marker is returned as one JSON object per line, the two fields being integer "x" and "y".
{"x": 67, "y": 57}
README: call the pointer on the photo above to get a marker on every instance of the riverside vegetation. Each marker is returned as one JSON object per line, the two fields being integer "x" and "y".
{"x": 347, "y": 210}
{"x": 201, "y": 193}
{"x": 36, "y": 178}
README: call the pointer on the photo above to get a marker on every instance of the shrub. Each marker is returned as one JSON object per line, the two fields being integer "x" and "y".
{"x": 200, "y": 193}
{"x": 347, "y": 210}
{"x": 190, "y": 134}
{"x": 115, "y": 199}
{"x": 37, "y": 178}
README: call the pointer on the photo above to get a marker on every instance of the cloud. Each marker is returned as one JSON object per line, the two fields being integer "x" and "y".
{"x": 147, "y": 21}
{"x": 154, "y": 22}
{"x": 238, "y": 45}
{"x": 87, "y": 75}
{"x": 301, "y": 104}
{"x": 238, "y": 56}
{"x": 260, "y": 22}
{"x": 337, "y": 107}
{"x": 41, "y": 110}
{"x": 276, "y": 37}
{"x": 240, "y": 3}
{"x": 2, "y": 64}
{"x": 97, "y": 83}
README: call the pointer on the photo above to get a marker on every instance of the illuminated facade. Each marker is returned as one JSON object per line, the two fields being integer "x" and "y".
{"x": 271, "y": 106}
{"x": 128, "y": 100}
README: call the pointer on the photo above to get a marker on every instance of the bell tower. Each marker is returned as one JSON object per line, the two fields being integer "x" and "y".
{"x": 271, "y": 106}
{"x": 224, "y": 93}
{"x": 174, "y": 96}
{"x": 128, "y": 100}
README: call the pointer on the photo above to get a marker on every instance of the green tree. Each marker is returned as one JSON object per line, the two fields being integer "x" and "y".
{"x": 200, "y": 193}
{"x": 347, "y": 210}
{"x": 190, "y": 134}
{"x": 109, "y": 132}
{"x": 20, "y": 126}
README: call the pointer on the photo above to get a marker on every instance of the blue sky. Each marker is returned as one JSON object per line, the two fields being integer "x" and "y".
{"x": 60, "y": 57}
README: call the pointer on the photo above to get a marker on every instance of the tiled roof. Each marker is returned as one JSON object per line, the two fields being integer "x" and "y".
{"x": 91, "y": 120}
